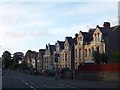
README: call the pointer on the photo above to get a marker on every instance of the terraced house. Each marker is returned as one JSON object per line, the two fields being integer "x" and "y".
{"x": 48, "y": 57}
{"x": 58, "y": 56}
{"x": 78, "y": 50}
{"x": 40, "y": 59}
{"x": 97, "y": 39}
{"x": 67, "y": 54}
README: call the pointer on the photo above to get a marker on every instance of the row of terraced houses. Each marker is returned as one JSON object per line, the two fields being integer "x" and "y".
{"x": 77, "y": 50}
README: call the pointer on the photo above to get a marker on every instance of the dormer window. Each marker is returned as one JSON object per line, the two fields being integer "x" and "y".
{"x": 57, "y": 48}
{"x": 95, "y": 38}
{"x": 66, "y": 47}
{"x": 80, "y": 40}
{"x": 99, "y": 37}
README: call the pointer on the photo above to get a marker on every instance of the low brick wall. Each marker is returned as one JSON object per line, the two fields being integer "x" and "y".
{"x": 104, "y": 76}
{"x": 100, "y": 67}
{"x": 105, "y": 72}
{"x": 67, "y": 75}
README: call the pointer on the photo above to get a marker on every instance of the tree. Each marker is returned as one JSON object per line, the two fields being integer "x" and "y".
{"x": 24, "y": 65}
{"x": 116, "y": 56}
{"x": 97, "y": 57}
{"x": 28, "y": 54}
{"x": 6, "y": 57}
{"x": 17, "y": 57}
{"x": 104, "y": 58}
{"x": 100, "y": 57}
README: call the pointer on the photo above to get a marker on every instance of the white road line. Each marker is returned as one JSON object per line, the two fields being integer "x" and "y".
{"x": 26, "y": 83}
{"x": 29, "y": 85}
{"x": 22, "y": 81}
{"x": 32, "y": 87}
{"x": 67, "y": 85}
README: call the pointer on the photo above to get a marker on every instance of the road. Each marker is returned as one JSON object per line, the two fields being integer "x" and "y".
{"x": 13, "y": 79}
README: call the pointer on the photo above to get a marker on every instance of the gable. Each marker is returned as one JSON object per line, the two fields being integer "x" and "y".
{"x": 97, "y": 30}
{"x": 80, "y": 35}
{"x": 57, "y": 46}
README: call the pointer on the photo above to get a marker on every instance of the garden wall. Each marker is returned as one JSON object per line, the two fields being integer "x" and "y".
{"x": 100, "y": 67}
{"x": 105, "y": 72}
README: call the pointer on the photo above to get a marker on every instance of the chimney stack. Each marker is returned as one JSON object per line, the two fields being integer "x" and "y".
{"x": 76, "y": 35}
{"x": 106, "y": 25}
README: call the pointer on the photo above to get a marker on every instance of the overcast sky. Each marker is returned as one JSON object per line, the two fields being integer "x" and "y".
{"x": 31, "y": 25}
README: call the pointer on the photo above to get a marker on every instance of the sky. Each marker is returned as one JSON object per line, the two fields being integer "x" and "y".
{"x": 31, "y": 25}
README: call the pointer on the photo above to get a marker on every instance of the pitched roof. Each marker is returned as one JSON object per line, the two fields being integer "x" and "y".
{"x": 52, "y": 48}
{"x": 70, "y": 40}
{"x": 87, "y": 36}
{"x": 105, "y": 31}
{"x": 42, "y": 50}
{"x": 61, "y": 43}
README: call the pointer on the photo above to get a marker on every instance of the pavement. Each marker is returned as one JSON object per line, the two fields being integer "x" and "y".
{"x": 12, "y": 79}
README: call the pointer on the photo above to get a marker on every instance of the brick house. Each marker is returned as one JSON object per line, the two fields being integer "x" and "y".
{"x": 57, "y": 54}
{"x": 40, "y": 59}
{"x": 48, "y": 57}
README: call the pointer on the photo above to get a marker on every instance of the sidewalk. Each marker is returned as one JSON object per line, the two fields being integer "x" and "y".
{"x": 83, "y": 83}
{"x": 78, "y": 83}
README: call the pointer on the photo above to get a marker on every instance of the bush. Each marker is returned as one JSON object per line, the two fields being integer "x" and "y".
{"x": 100, "y": 57}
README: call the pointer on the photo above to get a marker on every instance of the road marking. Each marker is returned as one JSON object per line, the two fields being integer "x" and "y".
{"x": 29, "y": 85}
{"x": 66, "y": 85}
{"x": 26, "y": 83}
{"x": 22, "y": 81}
{"x": 33, "y": 87}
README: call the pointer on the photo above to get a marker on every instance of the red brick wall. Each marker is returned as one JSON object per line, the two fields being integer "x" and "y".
{"x": 100, "y": 67}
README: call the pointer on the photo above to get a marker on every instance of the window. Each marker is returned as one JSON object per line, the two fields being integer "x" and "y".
{"x": 79, "y": 53}
{"x": 97, "y": 49}
{"x": 85, "y": 52}
{"x": 65, "y": 66}
{"x": 76, "y": 65}
{"x": 67, "y": 47}
{"x": 57, "y": 47}
{"x": 89, "y": 53}
{"x": 99, "y": 37}
{"x": 62, "y": 57}
{"x": 95, "y": 38}
{"x": 76, "y": 52}
{"x": 65, "y": 56}
{"x": 81, "y": 41}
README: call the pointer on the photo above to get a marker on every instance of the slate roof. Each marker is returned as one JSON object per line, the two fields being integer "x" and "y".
{"x": 70, "y": 40}
{"x": 52, "y": 48}
{"x": 42, "y": 51}
{"x": 105, "y": 31}
{"x": 87, "y": 36}
{"x": 61, "y": 43}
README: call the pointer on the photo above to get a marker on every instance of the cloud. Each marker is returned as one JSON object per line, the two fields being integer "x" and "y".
{"x": 68, "y": 31}
{"x": 29, "y": 25}
{"x": 90, "y": 8}
{"x": 24, "y": 34}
